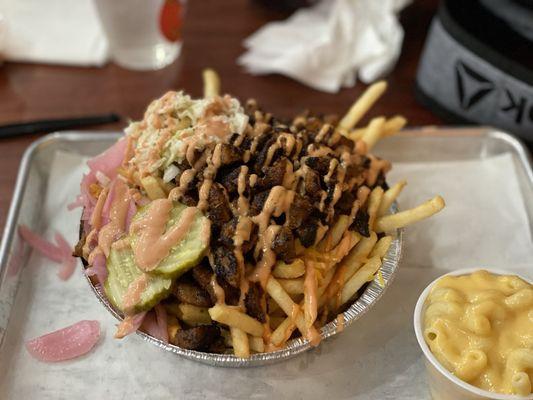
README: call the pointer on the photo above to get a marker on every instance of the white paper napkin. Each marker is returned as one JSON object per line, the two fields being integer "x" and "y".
{"x": 329, "y": 45}
{"x": 53, "y": 31}
{"x": 484, "y": 223}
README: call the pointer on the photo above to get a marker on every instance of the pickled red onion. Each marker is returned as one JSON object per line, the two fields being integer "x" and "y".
{"x": 65, "y": 344}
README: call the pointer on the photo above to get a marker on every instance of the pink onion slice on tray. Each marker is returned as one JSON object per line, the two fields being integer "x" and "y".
{"x": 43, "y": 246}
{"x": 67, "y": 268}
{"x": 65, "y": 344}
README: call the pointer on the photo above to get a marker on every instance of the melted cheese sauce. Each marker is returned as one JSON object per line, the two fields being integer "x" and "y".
{"x": 480, "y": 328}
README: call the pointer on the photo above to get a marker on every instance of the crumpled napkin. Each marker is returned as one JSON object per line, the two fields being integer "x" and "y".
{"x": 328, "y": 45}
{"x": 52, "y": 32}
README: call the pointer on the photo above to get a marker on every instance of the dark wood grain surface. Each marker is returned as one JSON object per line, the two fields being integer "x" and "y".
{"x": 213, "y": 34}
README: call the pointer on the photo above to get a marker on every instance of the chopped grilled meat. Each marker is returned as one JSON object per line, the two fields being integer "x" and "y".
{"x": 273, "y": 175}
{"x": 229, "y": 177}
{"x": 319, "y": 164}
{"x": 226, "y": 265}
{"x": 343, "y": 141}
{"x": 258, "y": 202}
{"x": 229, "y": 154}
{"x": 219, "y": 211}
{"x": 248, "y": 245}
{"x": 381, "y": 181}
{"x": 307, "y": 231}
{"x": 300, "y": 209}
{"x": 191, "y": 293}
{"x": 202, "y": 274}
{"x": 198, "y": 337}
{"x": 261, "y": 156}
{"x": 345, "y": 203}
{"x": 227, "y": 232}
{"x": 312, "y": 185}
{"x": 218, "y": 346}
{"x": 283, "y": 244}
{"x": 231, "y": 294}
{"x": 254, "y": 302}
{"x": 360, "y": 223}
{"x": 189, "y": 200}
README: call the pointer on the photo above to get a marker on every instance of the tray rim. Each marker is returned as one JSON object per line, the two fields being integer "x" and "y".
{"x": 30, "y": 154}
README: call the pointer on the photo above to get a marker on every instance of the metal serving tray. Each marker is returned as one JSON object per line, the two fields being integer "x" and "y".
{"x": 425, "y": 145}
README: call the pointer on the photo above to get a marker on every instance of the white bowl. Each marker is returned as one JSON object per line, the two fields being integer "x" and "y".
{"x": 443, "y": 384}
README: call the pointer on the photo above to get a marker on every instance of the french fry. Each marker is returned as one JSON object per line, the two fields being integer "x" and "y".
{"x": 236, "y": 319}
{"x": 239, "y": 339}
{"x": 283, "y": 332}
{"x": 363, "y": 275}
{"x": 289, "y": 271}
{"x": 389, "y": 196}
{"x": 389, "y": 223}
{"x": 381, "y": 247}
{"x": 173, "y": 326}
{"x": 362, "y": 105}
{"x": 192, "y": 315}
{"x": 374, "y": 132}
{"x": 310, "y": 296}
{"x": 334, "y": 234}
{"x": 391, "y": 126}
{"x": 374, "y": 201}
{"x": 257, "y": 344}
{"x": 292, "y": 286}
{"x": 211, "y": 83}
{"x": 276, "y": 291}
{"x": 349, "y": 266}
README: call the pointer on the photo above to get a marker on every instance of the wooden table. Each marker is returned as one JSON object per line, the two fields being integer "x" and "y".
{"x": 213, "y": 33}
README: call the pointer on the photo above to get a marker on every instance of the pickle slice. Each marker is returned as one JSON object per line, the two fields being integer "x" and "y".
{"x": 190, "y": 249}
{"x": 122, "y": 271}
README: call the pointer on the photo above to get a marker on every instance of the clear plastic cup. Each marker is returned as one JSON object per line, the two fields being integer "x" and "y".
{"x": 444, "y": 385}
{"x": 142, "y": 34}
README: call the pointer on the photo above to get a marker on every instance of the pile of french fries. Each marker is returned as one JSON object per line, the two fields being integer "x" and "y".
{"x": 309, "y": 292}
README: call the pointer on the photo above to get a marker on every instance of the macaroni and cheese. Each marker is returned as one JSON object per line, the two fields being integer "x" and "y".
{"x": 480, "y": 327}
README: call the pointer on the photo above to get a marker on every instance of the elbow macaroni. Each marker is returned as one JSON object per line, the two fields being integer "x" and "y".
{"x": 480, "y": 328}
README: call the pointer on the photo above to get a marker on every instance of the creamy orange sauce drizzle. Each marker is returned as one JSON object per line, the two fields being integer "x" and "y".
{"x": 186, "y": 178}
{"x": 134, "y": 292}
{"x": 96, "y": 217}
{"x": 322, "y": 133}
{"x": 242, "y": 202}
{"x": 125, "y": 327}
{"x": 117, "y": 217}
{"x": 253, "y": 180}
{"x": 289, "y": 177}
{"x": 318, "y": 151}
{"x": 210, "y": 171}
{"x": 310, "y": 295}
{"x": 270, "y": 153}
{"x": 278, "y": 202}
{"x": 153, "y": 243}
{"x": 262, "y": 271}
{"x": 376, "y": 166}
